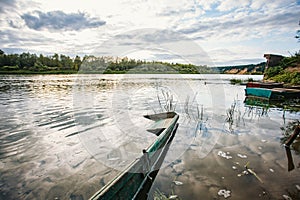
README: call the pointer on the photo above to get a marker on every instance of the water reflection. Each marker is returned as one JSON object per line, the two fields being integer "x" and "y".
{"x": 291, "y": 165}
{"x": 291, "y": 105}
{"x": 251, "y": 134}
{"x": 233, "y": 116}
{"x": 53, "y": 141}
{"x": 291, "y": 140}
{"x": 290, "y": 131}
{"x": 255, "y": 111}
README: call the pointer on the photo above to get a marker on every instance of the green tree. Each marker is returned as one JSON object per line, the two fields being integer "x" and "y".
{"x": 77, "y": 63}
{"x": 55, "y": 61}
{"x": 66, "y": 62}
{"x": 273, "y": 71}
{"x": 27, "y": 60}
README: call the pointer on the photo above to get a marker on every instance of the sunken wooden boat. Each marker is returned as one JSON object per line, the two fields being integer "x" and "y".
{"x": 136, "y": 180}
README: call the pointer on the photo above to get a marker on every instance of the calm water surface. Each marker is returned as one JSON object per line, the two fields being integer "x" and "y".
{"x": 66, "y": 136}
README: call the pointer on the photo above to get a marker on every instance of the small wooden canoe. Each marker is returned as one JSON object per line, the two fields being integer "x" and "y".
{"x": 136, "y": 180}
{"x": 264, "y": 85}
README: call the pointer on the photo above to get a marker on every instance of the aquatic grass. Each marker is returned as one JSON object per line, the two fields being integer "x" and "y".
{"x": 166, "y": 103}
{"x": 234, "y": 116}
{"x": 194, "y": 115}
{"x": 259, "y": 112}
{"x": 186, "y": 106}
{"x": 230, "y": 116}
{"x": 250, "y": 80}
{"x": 192, "y": 109}
{"x": 234, "y": 81}
{"x": 158, "y": 195}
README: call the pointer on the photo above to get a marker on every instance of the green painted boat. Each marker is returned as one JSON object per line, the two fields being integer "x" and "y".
{"x": 258, "y": 92}
{"x": 136, "y": 180}
{"x": 279, "y": 94}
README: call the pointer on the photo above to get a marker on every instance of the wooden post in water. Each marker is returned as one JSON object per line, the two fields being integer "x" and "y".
{"x": 291, "y": 165}
{"x": 293, "y": 136}
{"x": 291, "y": 139}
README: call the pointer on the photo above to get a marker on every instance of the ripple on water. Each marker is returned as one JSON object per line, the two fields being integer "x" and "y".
{"x": 40, "y": 162}
{"x": 15, "y": 142}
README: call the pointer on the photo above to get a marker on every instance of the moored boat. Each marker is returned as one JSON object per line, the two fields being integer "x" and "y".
{"x": 258, "y": 92}
{"x": 274, "y": 93}
{"x": 286, "y": 93}
{"x": 136, "y": 180}
{"x": 264, "y": 85}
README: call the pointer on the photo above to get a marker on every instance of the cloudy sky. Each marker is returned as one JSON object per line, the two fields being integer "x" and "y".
{"x": 212, "y": 32}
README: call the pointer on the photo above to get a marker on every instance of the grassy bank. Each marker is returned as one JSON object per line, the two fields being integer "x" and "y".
{"x": 288, "y": 71}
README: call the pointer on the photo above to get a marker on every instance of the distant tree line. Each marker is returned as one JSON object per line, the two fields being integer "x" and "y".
{"x": 34, "y": 63}
{"x": 92, "y": 64}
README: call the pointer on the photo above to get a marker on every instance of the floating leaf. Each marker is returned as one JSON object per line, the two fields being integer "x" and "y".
{"x": 286, "y": 197}
{"x": 177, "y": 183}
{"x": 224, "y": 155}
{"x": 241, "y": 155}
{"x": 174, "y": 196}
{"x": 225, "y": 193}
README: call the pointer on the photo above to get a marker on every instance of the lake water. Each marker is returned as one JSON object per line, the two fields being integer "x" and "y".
{"x": 66, "y": 136}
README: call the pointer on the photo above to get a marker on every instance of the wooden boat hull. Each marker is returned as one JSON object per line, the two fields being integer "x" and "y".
{"x": 136, "y": 180}
{"x": 258, "y": 92}
{"x": 264, "y": 85}
{"x": 286, "y": 93}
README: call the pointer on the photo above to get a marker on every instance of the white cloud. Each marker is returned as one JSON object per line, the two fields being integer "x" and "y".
{"x": 207, "y": 4}
{"x": 228, "y": 5}
{"x": 259, "y": 4}
{"x": 58, "y": 20}
{"x": 236, "y": 55}
{"x": 215, "y": 24}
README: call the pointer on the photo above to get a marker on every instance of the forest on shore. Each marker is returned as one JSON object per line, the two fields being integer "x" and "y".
{"x": 28, "y": 63}
{"x": 288, "y": 71}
